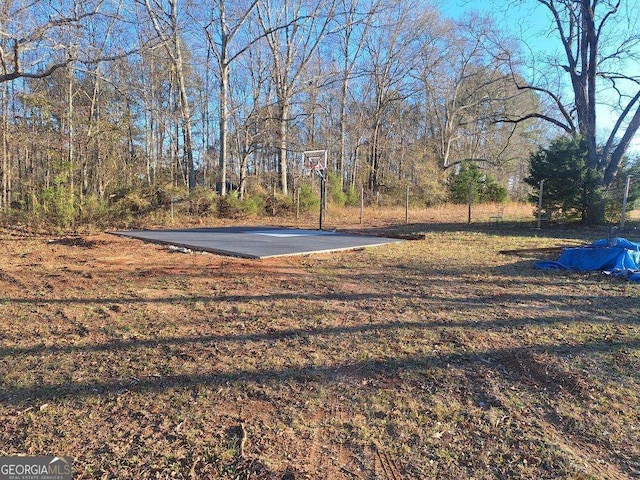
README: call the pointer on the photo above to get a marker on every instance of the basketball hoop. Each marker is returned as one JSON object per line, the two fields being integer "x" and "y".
{"x": 315, "y": 161}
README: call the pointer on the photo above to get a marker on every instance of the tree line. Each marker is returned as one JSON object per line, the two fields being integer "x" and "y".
{"x": 101, "y": 99}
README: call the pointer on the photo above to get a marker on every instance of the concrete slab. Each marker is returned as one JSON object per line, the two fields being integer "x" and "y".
{"x": 257, "y": 242}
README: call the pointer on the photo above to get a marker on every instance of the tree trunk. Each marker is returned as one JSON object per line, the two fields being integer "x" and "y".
{"x": 4, "y": 114}
{"x": 374, "y": 160}
{"x": 224, "y": 92}
{"x": 244, "y": 147}
{"x": 224, "y": 113}
{"x": 283, "y": 132}
{"x": 172, "y": 46}
{"x": 343, "y": 127}
{"x": 70, "y": 135}
{"x": 185, "y": 113}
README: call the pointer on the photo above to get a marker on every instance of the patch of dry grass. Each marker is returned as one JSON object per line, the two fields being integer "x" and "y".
{"x": 437, "y": 358}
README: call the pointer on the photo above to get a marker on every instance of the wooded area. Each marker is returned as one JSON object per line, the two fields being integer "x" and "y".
{"x": 107, "y": 100}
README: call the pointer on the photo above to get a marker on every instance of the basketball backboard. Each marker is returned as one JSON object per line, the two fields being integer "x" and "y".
{"x": 315, "y": 161}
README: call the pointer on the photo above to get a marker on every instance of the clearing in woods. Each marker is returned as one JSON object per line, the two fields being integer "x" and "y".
{"x": 431, "y": 358}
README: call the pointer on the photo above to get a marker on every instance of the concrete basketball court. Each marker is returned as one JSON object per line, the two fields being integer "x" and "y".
{"x": 257, "y": 242}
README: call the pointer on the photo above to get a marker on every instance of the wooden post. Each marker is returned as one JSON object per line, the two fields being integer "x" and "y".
{"x": 406, "y": 206}
{"x": 540, "y": 204}
{"x": 322, "y": 197}
{"x": 469, "y": 200}
{"x": 623, "y": 215}
{"x": 274, "y": 202}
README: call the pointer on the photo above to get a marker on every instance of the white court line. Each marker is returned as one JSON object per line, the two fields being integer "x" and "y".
{"x": 279, "y": 233}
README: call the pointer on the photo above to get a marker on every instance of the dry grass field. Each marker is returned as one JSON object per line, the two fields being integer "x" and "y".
{"x": 431, "y": 358}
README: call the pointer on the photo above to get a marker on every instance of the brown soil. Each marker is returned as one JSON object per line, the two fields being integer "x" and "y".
{"x": 433, "y": 358}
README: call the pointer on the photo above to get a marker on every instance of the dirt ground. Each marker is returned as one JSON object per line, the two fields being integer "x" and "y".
{"x": 433, "y": 358}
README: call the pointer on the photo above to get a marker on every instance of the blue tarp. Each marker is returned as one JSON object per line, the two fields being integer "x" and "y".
{"x": 615, "y": 256}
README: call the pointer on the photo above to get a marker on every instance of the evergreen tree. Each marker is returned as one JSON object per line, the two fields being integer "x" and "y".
{"x": 569, "y": 185}
{"x": 484, "y": 187}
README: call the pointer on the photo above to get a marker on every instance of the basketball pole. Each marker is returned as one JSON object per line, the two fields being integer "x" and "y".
{"x": 361, "y": 204}
{"x": 316, "y": 161}
{"x": 322, "y": 194}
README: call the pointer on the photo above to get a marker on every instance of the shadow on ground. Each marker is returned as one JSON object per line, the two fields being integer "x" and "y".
{"x": 507, "y": 228}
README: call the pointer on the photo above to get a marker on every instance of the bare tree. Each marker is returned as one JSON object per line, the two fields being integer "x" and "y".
{"x": 466, "y": 88}
{"x": 293, "y": 32}
{"x": 4, "y": 148}
{"x": 36, "y": 45}
{"x": 356, "y": 17}
{"x": 34, "y": 36}
{"x": 221, "y": 33}
{"x": 250, "y": 116}
{"x": 597, "y": 38}
{"x": 385, "y": 78}
{"x": 392, "y": 52}
{"x": 166, "y": 24}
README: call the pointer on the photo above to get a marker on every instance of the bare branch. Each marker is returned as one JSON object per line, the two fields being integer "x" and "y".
{"x": 613, "y": 76}
{"x": 541, "y": 116}
{"x": 569, "y": 126}
{"x": 605, "y": 18}
{"x": 619, "y": 121}
{"x": 38, "y": 32}
{"x": 42, "y": 74}
{"x": 623, "y": 145}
